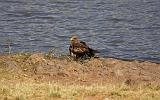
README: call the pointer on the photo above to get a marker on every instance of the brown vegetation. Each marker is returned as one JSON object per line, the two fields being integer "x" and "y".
{"x": 96, "y": 78}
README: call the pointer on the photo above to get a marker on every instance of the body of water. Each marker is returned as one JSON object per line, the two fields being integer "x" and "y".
{"x": 127, "y": 29}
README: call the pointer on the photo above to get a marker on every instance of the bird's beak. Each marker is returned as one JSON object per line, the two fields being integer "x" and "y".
{"x": 71, "y": 39}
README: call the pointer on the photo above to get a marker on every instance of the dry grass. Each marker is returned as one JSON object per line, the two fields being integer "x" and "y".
{"x": 46, "y": 91}
{"x": 16, "y": 84}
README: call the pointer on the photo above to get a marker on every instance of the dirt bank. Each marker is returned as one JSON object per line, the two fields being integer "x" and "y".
{"x": 40, "y": 67}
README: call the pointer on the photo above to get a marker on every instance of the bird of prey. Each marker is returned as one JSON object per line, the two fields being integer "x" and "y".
{"x": 79, "y": 49}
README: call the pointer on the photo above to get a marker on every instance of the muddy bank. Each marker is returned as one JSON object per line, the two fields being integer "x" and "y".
{"x": 40, "y": 67}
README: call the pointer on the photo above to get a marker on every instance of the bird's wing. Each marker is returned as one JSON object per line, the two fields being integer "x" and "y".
{"x": 90, "y": 49}
{"x": 81, "y": 47}
{"x": 83, "y": 42}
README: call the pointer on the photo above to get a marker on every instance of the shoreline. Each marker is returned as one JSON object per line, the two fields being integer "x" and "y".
{"x": 64, "y": 66}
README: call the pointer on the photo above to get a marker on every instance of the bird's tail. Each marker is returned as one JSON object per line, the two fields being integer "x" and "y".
{"x": 95, "y": 51}
{"x": 92, "y": 52}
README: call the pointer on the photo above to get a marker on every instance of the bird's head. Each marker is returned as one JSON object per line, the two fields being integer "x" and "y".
{"x": 74, "y": 39}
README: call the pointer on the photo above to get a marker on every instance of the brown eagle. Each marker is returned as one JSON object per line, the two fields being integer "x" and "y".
{"x": 79, "y": 49}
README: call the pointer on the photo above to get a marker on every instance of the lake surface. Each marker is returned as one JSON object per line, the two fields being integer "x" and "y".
{"x": 127, "y": 29}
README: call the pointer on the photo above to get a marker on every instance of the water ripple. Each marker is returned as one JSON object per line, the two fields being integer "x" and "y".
{"x": 122, "y": 29}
